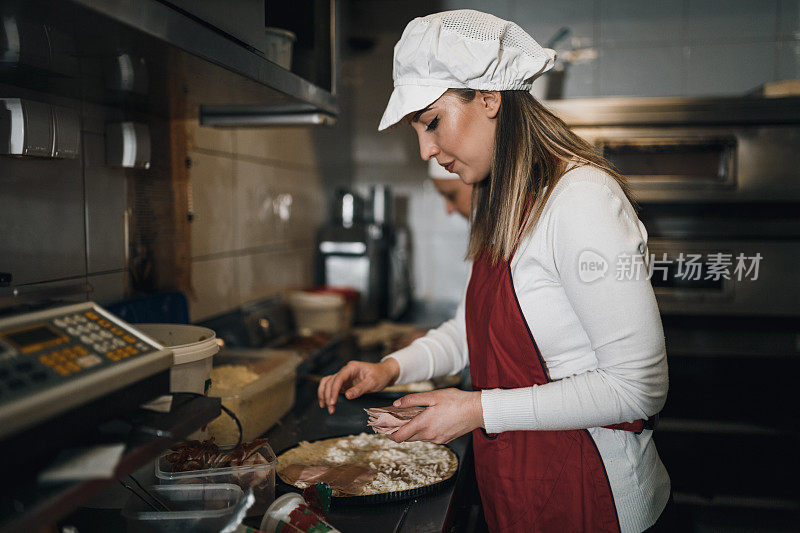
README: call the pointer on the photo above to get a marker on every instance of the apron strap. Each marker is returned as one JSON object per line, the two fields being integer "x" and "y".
{"x": 637, "y": 426}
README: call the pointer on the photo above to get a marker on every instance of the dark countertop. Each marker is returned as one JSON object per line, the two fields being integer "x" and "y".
{"x": 450, "y": 508}
{"x": 447, "y": 509}
{"x": 425, "y": 514}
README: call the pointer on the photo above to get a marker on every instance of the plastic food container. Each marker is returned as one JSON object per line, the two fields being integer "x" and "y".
{"x": 318, "y": 312}
{"x": 260, "y": 476}
{"x": 193, "y": 348}
{"x": 259, "y": 404}
{"x": 350, "y": 296}
{"x": 279, "y": 44}
{"x": 200, "y": 508}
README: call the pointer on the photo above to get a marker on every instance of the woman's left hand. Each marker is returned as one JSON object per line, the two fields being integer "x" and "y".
{"x": 450, "y": 413}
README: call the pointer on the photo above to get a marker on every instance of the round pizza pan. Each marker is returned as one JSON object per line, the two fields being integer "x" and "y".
{"x": 371, "y": 499}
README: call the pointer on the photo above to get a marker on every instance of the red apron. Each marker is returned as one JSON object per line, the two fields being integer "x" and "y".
{"x": 537, "y": 481}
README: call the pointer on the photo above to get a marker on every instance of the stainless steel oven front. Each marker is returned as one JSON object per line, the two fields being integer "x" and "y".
{"x": 692, "y": 163}
{"x": 718, "y": 183}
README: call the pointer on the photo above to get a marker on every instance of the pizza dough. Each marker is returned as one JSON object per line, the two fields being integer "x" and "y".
{"x": 398, "y": 466}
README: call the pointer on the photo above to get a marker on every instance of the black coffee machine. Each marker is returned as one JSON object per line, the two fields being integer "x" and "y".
{"x": 363, "y": 248}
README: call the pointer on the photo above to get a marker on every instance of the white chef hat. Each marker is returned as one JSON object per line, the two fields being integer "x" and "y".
{"x": 461, "y": 49}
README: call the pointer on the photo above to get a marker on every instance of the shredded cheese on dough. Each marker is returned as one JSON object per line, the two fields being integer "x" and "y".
{"x": 401, "y": 466}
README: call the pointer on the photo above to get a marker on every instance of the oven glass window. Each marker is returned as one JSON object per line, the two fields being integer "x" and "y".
{"x": 706, "y": 162}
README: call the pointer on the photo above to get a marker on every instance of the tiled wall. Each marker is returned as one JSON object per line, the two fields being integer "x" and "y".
{"x": 630, "y": 47}
{"x": 664, "y": 47}
{"x": 62, "y": 220}
{"x": 257, "y": 201}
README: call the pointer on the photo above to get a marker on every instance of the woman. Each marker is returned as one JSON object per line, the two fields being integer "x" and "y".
{"x": 567, "y": 358}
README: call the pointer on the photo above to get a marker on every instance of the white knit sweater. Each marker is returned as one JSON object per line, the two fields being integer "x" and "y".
{"x": 601, "y": 339}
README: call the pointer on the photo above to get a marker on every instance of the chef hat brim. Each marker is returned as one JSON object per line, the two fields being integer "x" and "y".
{"x": 407, "y": 99}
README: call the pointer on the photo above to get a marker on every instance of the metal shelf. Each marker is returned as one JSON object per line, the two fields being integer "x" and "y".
{"x": 36, "y": 506}
{"x": 214, "y": 69}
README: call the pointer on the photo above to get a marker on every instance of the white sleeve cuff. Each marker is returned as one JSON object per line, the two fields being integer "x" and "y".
{"x": 414, "y": 361}
{"x": 508, "y": 409}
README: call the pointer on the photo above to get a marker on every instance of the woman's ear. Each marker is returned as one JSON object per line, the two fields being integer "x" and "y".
{"x": 490, "y": 101}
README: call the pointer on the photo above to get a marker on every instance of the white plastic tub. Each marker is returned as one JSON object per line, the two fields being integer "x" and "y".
{"x": 279, "y": 43}
{"x": 318, "y": 312}
{"x": 193, "y": 348}
{"x": 197, "y": 508}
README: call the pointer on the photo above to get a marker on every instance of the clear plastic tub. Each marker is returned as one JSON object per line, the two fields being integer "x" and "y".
{"x": 259, "y": 404}
{"x": 259, "y": 476}
{"x": 199, "y": 508}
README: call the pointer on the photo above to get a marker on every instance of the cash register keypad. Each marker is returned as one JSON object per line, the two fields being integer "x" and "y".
{"x": 103, "y": 336}
{"x": 89, "y": 341}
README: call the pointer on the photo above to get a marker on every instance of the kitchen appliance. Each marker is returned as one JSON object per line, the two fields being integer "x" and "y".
{"x": 382, "y": 210}
{"x": 717, "y": 183}
{"x": 352, "y": 251}
{"x": 713, "y": 176}
{"x": 57, "y": 359}
{"x": 363, "y": 249}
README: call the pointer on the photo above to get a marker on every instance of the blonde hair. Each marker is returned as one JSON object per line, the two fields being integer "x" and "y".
{"x": 532, "y": 148}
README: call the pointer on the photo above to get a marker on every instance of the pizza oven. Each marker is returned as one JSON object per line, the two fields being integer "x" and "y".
{"x": 718, "y": 185}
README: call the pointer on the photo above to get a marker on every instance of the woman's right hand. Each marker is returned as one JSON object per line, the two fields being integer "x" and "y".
{"x": 356, "y": 378}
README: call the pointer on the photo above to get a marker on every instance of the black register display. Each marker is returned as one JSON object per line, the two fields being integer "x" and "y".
{"x": 31, "y": 336}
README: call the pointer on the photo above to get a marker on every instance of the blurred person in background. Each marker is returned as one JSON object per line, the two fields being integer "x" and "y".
{"x": 457, "y": 197}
